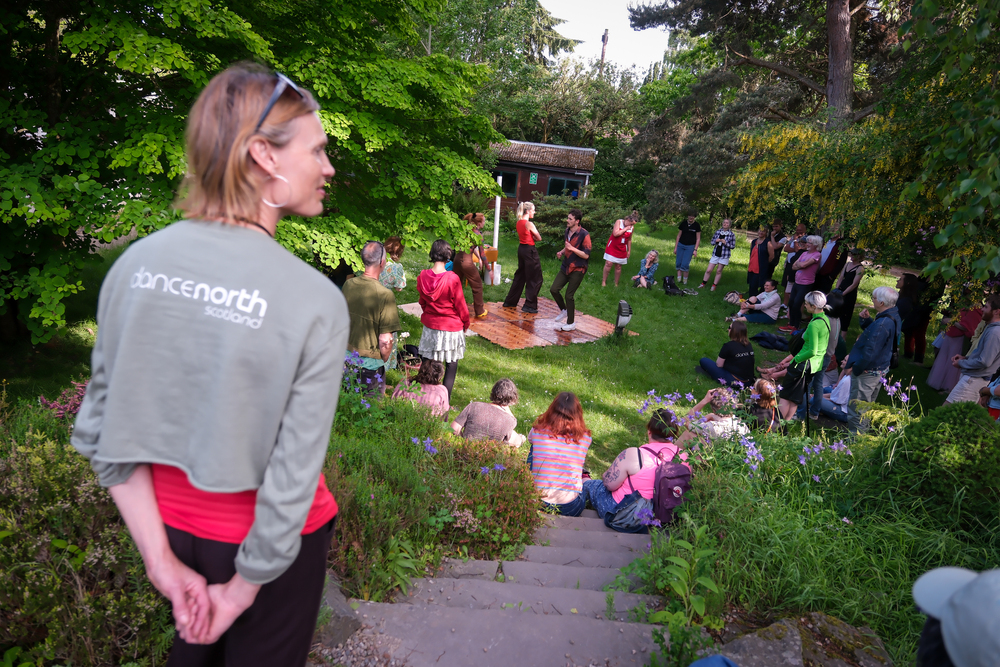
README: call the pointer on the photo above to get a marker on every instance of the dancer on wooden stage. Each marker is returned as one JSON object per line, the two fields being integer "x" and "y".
{"x": 575, "y": 256}
{"x": 528, "y": 277}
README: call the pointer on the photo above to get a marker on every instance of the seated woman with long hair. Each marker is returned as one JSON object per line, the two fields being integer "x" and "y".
{"x": 763, "y": 415}
{"x": 559, "y": 443}
{"x": 426, "y": 388}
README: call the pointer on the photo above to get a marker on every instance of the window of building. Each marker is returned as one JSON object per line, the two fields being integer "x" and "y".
{"x": 558, "y": 186}
{"x": 509, "y": 182}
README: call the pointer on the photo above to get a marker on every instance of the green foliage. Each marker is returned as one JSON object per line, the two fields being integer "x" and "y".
{"x": 679, "y": 569}
{"x": 618, "y": 178}
{"x": 953, "y": 458}
{"x": 94, "y": 145}
{"x": 680, "y": 645}
{"x": 402, "y": 506}
{"x": 961, "y": 167}
{"x": 599, "y": 217}
{"x": 74, "y": 588}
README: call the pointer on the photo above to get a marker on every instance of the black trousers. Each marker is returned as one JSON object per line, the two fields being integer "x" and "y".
{"x": 527, "y": 278}
{"x": 795, "y": 303}
{"x": 573, "y": 281}
{"x": 278, "y": 627}
{"x": 756, "y": 283}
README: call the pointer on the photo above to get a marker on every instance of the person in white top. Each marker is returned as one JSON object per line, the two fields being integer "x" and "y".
{"x": 763, "y": 308}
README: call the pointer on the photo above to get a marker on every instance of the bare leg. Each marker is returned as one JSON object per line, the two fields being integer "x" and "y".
{"x": 618, "y": 273}
{"x": 607, "y": 270}
{"x": 787, "y": 408}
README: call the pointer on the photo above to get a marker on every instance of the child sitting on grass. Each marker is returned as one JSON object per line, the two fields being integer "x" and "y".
{"x": 426, "y": 388}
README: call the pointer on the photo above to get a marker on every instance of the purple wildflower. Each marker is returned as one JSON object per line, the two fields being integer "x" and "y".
{"x": 484, "y": 470}
{"x": 431, "y": 449}
{"x": 499, "y": 466}
{"x": 415, "y": 440}
{"x": 815, "y": 478}
{"x": 689, "y": 396}
{"x": 802, "y": 460}
{"x": 847, "y": 521}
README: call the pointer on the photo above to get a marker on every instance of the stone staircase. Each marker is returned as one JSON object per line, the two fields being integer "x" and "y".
{"x": 547, "y": 608}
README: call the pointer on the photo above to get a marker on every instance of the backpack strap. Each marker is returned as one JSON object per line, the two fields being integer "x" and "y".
{"x": 628, "y": 478}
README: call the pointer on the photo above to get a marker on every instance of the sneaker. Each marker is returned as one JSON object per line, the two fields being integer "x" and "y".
{"x": 701, "y": 286}
{"x": 813, "y": 417}
{"x": 713, "y": 288}
{"x": 731, "y": 318}
{"x": 561, "y": 317}
{"x": 567, "y": 327}
{"x": 787, "y": 328}
{"x": 533, "y": 311}
{"x": 685, "y": 281}
{"x": 483, "y": 316}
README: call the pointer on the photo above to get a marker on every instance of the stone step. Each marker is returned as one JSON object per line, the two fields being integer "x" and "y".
{"x": 576, "y": 523}
{"x": 454, "y": 568}
{"x": 571, "y": 557}
{"x": 591, "y": 539}
{"x": 520, "y": 598}
{"x": 558, "y": 576}
{"x": 431, "y": 636}
{"x": 589, "y": 514}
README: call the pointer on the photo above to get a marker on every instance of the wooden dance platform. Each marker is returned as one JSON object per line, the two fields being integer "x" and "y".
{"x": 516, "y": 330}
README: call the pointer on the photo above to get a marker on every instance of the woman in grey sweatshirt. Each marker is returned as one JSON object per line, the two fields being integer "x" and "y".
{"x": 215, "y": 378}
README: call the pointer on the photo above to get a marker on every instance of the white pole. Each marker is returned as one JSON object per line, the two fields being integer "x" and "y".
{"x": 496, "y": 215}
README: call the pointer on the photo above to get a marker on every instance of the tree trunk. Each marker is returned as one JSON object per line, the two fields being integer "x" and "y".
{"x": 840, "y": 76}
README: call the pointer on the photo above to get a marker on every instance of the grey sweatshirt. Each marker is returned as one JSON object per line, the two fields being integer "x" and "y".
{"x": 984, "y": 360}
{"x": 220, "y": 353}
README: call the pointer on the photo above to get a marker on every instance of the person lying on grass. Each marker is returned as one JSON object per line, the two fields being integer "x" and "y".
{"x": 633, "y": 472}
{"x": 714, "y": 424}
{"x": 426, "y": 388}
{"x": 493, "y": 420}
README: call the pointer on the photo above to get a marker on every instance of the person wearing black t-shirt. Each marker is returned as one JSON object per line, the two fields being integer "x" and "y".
{"x": 686, "y": 245}
{"x": 736, "y": 360}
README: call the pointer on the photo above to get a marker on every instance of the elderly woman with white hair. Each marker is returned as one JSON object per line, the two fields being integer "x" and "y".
{"x": 808, "y": 359}
{"x": 805, "y": 276}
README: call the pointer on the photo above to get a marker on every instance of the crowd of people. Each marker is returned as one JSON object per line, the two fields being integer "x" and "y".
{"x": 228, "y": 506}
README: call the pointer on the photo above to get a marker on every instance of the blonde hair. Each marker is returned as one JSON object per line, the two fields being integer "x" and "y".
{"x": 524, "y": 208}
{"x": 650, "y": 254}
{"x": 221, "y": 126}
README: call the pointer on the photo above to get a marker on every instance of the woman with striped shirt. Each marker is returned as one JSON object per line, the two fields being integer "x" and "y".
{"x": 559, "y": 443}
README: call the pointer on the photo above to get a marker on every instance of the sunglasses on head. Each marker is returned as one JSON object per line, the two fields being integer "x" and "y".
{"x": 279, "y": 89}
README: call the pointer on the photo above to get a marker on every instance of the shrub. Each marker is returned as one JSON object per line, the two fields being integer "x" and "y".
{"x": 74, "y": 587}
{"x": 953, "y": 457}
{"x": 599, "y": 217}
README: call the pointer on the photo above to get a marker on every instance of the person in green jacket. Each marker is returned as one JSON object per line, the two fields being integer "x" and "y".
{"x": 809, "y": 359}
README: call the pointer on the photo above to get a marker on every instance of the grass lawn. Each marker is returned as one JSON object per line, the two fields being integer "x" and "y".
{"x": 612, "y": 377}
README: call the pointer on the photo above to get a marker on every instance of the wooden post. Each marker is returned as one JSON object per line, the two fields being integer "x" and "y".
{"x": 604, "y": 41}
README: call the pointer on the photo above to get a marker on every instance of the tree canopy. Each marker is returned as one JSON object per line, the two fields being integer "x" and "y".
{"x": 94, "y": 145}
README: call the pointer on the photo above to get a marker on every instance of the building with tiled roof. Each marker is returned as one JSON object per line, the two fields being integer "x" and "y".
{"x": 549, "y": 169}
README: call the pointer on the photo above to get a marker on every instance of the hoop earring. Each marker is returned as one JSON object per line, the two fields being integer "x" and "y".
{"x": 285, "y": 203}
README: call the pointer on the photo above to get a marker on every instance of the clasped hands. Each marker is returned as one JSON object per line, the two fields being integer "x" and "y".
{"x": 202, "y": 612}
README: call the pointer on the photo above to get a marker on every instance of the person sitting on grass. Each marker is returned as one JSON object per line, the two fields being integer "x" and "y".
{"x": 493, "y": 420}
{"x": 735, "y": 362}
{"x": 647, "y": 270}
{"x": 809, "y": 360}
{"x": 559, "y": 443}
{"x": 634, "y": 470}
{"x": 426, "y": 388}
{"x": 763, "y": 308}
{"x": 712, "y": 425}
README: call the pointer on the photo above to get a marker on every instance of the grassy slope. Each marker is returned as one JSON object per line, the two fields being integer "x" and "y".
{"x": 611, "y": 380}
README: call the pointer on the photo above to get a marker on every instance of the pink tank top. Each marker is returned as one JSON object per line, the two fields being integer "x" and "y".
{"x": 644, "y": 480}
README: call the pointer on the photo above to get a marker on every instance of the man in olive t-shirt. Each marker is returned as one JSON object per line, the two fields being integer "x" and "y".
{"x": 374, "y": 317}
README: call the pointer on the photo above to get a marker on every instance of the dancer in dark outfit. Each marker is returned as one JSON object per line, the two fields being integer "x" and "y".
{"x": 575, "y": 256}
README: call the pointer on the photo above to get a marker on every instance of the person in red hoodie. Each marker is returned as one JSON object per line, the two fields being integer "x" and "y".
{"x": 446, "y": 315}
